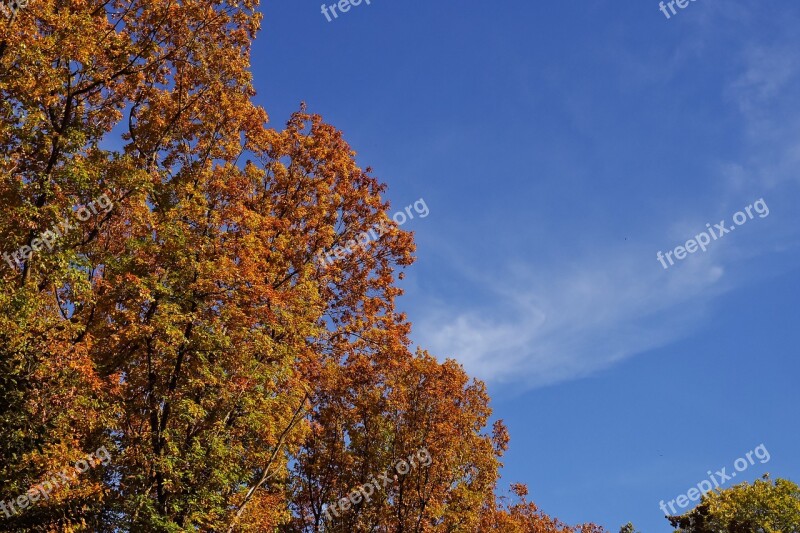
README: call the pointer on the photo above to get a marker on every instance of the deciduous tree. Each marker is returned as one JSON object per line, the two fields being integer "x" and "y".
{"x": 238, "y": 383}
{"x": 765, "y": 506}
{"x": 523, "y": 516}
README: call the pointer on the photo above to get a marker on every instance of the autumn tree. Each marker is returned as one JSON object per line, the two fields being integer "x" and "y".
{"x": 374, "y": 410}
{"x": 239, "y": 383}
{"x": 169, "y": 328}
{"x": 183, "y": 328}
{"x": 766, "y": 506}
{"x": 523, "y": 516}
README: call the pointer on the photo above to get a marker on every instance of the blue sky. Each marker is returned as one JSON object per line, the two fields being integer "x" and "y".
{"x": 559, "y": 146}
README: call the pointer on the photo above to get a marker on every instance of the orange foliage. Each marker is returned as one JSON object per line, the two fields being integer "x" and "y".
{"x": 239, "y": 384}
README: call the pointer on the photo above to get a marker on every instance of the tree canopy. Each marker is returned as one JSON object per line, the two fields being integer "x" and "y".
{"x": 185, "y": 327}
{"x": 763, "y": 506}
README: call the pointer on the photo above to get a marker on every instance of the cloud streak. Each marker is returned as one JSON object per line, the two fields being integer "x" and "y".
{"x": 559, "y": 325}
{"x": 547, "y": 324}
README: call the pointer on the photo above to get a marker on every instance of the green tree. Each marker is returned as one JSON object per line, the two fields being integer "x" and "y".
{"x": 764, "y": 506}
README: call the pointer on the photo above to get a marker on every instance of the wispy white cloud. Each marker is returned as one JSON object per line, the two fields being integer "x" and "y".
{"x": 554, "y": 323}
{"x": 546, "y": 327}
{"x": 767, "y": 92}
